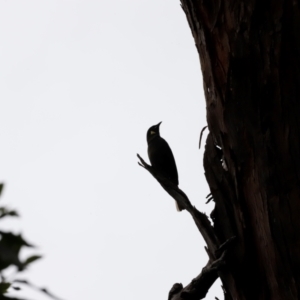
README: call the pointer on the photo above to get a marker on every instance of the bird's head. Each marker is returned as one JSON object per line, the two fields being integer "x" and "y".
{"x": 153, "y": 132}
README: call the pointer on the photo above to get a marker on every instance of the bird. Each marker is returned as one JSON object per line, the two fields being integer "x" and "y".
{"x": 161, "y": 156}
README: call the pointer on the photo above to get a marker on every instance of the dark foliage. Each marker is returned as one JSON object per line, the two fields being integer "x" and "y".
{"x": 11, "y": 245}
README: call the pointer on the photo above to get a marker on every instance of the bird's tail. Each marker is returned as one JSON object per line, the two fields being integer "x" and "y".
{"x": 178, "y": 207}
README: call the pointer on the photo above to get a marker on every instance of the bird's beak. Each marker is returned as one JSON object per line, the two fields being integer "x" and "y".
{"x": 159, "y": 124}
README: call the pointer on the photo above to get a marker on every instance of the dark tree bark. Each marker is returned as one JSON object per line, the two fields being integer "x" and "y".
{"x": 250, "y": 58}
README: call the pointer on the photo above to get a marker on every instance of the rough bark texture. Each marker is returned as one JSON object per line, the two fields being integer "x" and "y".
{"x": 250, "y": 59}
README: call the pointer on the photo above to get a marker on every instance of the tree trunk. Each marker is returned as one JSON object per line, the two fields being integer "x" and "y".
{"x": 250, "y": 58}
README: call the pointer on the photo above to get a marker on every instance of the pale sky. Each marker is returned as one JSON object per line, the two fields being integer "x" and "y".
{"x": 81, "y": 83}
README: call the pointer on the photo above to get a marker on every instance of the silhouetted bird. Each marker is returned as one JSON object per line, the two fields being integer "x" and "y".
{"x": 161, "y": 156}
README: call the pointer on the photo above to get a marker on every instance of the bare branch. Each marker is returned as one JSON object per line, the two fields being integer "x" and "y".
{"x": 199, "y": 286}
{"x": 178, "y": 195}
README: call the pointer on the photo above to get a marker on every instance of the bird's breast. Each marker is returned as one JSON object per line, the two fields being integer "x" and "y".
{"x": 162, "y": 159}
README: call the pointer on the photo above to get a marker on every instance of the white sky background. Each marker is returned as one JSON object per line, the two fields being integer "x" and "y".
{"x": 81, "y": 82}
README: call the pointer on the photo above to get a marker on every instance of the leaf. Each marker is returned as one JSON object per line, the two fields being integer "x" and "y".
{"x": 44, "y": 290}
{"x": 9, "y": 298}
{"x": 6, "y": 212}
{"x": 1, "y": 188}
{"x": 4, "y": 287}
{"x": 10, "y": 246}
{"x": 24, "y": 281}
{"x": 48, "y": 293}
{"x": 31, "y": 259}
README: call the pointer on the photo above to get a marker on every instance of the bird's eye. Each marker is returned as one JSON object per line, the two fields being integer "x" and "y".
{"x": 152, "y": 132}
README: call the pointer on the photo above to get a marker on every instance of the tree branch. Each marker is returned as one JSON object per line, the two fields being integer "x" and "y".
{"x": 199, "y": 286}
{"x": 200, "y": 219}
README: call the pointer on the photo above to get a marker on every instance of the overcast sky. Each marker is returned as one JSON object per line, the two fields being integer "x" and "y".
{"x": 81, "y": 83}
